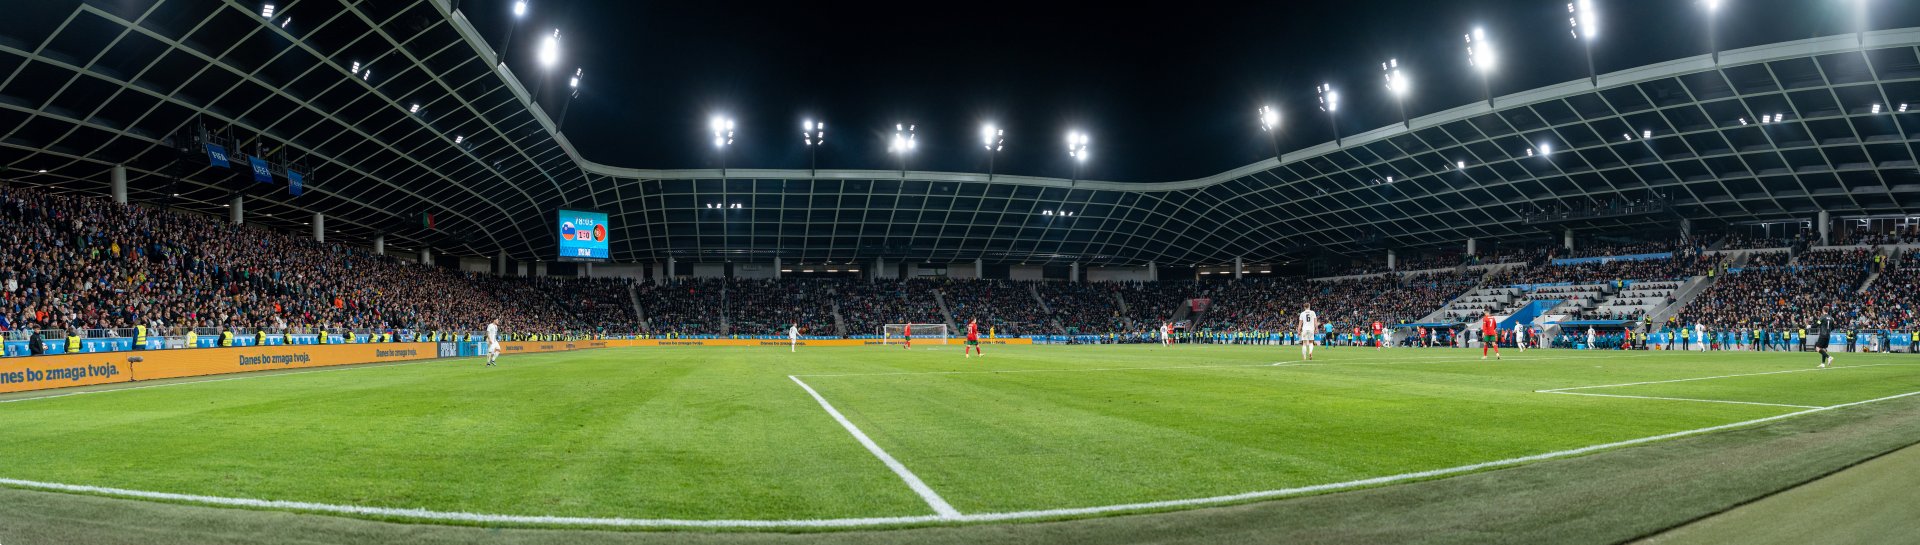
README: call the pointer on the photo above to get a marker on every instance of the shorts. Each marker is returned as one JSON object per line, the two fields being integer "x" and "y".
{"x": 973, "y": 342}
{"x": 1486, "y": 339}
{"x": 493, "y": 348}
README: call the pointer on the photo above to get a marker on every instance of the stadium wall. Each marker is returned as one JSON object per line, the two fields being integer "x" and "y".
{"x": 1026, "y": 272}
{"x": 1117, "y": 274}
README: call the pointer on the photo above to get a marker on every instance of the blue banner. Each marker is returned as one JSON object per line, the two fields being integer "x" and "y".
{"x": 294, "y": 182}
{"x": 217, "y": 156}
{"x": 261, "y": 173}
{"x": 1612, "y": 258}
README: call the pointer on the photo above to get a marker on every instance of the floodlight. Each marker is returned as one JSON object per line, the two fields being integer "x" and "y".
{"x": 1546, "y": 149}
{"x": 1876, "y": 108}
{"x": 722, "y": 131}
{"x": 1646, "y": 134}
{"x": 1583, "y": 19}
{"x": 550, "y": 49}
{"x": 414, "y": 109}
{"x": 1460, "y": 165}
{"x": 1077, "y": 145}
{"x": 285, "y": 22}
{"x": 1903, "y": 107}
{"x": 813, "y": 133}
{"x": 574, "y": 82}
{"x": 1269, "y": 118}
{"x": 903, "y": 139}
{"x": 458, "y": 139}
{"x": 1329, "y": 99}
{"x": 355, "y": 69}
{"x": 520, "y": 8}
{"x": 266, "y": 11}
{"x": 1480, "y": 52}
{"x": 994, "y": 138}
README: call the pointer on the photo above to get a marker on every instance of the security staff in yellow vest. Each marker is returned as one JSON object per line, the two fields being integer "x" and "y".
{"x": 286, "y": 337}
{"x": 259, "y": 337}
{"x": 323, "y": 336}
{"x": 350, "y": 336}
{"x": 73, "y": 341}
{"x": 193, "y": 339}
{"x": 226, "y": 337}
{"x": 139, "y": 337}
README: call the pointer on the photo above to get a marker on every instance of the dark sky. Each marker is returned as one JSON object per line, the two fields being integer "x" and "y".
{"x": 1167, "y": 94}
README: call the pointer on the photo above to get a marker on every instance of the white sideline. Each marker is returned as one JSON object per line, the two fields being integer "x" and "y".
{"x": 932, "y": 498}
{"x": 1559, "y": 390}
{"x": 347, "y": 367}
{"x": 1402, "y": 361}
{"x": 1684, "y": 399}
{"x": 454, "y": 516}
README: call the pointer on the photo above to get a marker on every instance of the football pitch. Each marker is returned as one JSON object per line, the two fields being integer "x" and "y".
{"x": 757, "y": 437}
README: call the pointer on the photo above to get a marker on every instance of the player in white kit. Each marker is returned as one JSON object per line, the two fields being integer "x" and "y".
{"x": 1520, "y": 335}
{"x": 1309, "y": 324}
{"x": 493, "y": 341}
{"x": 793, "y": 336}
{"x": 1166, "y": 334}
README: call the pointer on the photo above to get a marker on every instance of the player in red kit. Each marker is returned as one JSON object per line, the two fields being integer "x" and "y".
{"x": 906, "y": 333}
{"x": 1379, "y": 341}
{"x": 1488, "y": 336}
{"x": 973, "y": 339}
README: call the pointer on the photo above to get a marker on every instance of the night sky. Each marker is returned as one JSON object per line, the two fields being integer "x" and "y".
{"x": 1166, "y": 94}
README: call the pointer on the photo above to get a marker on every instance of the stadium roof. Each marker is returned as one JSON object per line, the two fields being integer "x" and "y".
{"x": 1776, "y": 132}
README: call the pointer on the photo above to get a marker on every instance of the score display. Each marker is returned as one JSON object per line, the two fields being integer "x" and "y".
{"x": 583, "y": 235}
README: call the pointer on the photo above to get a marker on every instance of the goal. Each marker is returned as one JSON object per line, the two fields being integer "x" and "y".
{"x": 892, "y": 334}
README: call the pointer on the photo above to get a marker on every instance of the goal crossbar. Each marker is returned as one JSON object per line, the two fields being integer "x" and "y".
{"x": 891, "y": 334}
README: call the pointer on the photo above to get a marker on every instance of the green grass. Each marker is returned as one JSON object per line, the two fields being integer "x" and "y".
{"x": 723, "y": 433}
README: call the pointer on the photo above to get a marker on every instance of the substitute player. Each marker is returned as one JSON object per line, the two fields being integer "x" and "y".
{"x": 793, "y": 336}
{"x": 973, "y": 339}
{"x": 493, "y": 341}
{"x": 1309, "y": 325}
{"x": 1489, "y": 335}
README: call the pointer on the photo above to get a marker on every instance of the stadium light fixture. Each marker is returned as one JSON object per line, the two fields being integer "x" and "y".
{"x": 550, "y": 49}
{"x": 1481, "y": 56}
{"x": 1330, "y": 103}
{"x": 266, "y": 11}
{"x": 519, "y": 12}
{"x": 994, "y": 139}
{"x": 903, "y": 143}
{"x": 1460, "y": 165}
{"x": 1584, "y": 22}
{"x": 1077, "y": 149}
{"x": 285, "y": 22}
{"x": 1903, "y": 107}
{"x": 815, "y": 135}
{"x": 1398, "y": 85}
{"x": 1270, "y": 124}
{"x": 1876, "y": 108}
{"x": 1713, "y": 29}
{"x": 722, "y": 127}
{"x": 414, "y": 109}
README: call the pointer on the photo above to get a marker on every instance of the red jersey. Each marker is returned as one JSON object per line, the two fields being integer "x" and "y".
{"x": 907, "y": 330}
{"x": 973, "y": 331}
{"x": 1487, "y": 327}
{"x": 1376, "y": 328}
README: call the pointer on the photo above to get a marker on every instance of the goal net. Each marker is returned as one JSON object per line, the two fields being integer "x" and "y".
{"x": 929, "y": 334}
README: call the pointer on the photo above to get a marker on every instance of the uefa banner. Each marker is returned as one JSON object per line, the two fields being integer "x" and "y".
{"x": 60, "y": 371}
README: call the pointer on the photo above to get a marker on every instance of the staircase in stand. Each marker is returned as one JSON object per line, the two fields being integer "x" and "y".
{"x": 941, "y": 299}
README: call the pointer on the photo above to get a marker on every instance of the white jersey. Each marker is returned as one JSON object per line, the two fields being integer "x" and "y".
{"x": 793, "y": 333}
{"x": 493, "y": 334}
{"x": 1309, "y": 323}
{"x": 1519, "y": 332}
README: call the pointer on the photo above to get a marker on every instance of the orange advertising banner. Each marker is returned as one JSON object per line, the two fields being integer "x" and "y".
{"x": 60, "y": 371}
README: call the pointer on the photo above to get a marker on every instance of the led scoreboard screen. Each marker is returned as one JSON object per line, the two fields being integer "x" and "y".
{"x": 583, "y": 235}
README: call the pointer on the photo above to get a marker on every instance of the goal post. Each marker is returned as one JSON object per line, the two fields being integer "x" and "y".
{"x": 893, "y": 334}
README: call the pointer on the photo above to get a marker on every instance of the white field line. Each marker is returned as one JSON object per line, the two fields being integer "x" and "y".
{"x": 1686, "y": 399}
{"x": 455, "y": 516}
{"x": 251, "y": 376}
{"x": 932, "y": 498}
{"x": 1559, "y": 390}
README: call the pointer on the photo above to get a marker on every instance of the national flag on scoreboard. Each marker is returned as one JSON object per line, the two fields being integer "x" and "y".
{"x": 261, "y": 173}
{"x": 294, "y": 183}
{"x": 217, "y": 155}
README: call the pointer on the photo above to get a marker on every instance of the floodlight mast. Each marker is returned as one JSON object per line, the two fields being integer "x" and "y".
{"x": 1077, "y": 149}
{"x": 722, "y": 127}
{"x": 903, "y": 143}
{"x": 994, "y": 138}
{"x": 1482, "y": 57}
{"x": 549, "y": 56}
{"x": 573, "y": 92}
{"x": 1584, "y": 22}
{"x": 815, "y": 135}
{"x": 1330, "y": 103}
{"x": 1397, "y": 85}
{"x": 519, "y": 12}
{"x": 1270, "y": 124}
{"x": 1713, "y": 29}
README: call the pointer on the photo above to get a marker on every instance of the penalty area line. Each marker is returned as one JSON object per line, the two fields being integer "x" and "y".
{"x": 1686, "y": 399}
{"x": 933, "y": 499}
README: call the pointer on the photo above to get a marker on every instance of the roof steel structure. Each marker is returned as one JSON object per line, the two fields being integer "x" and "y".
{"x": 1769, "y": 133}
